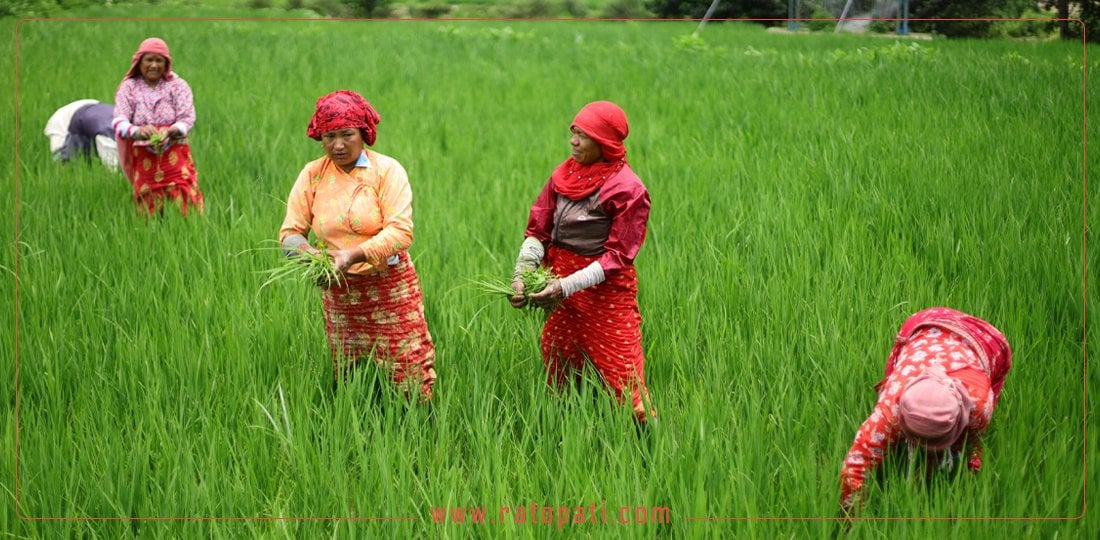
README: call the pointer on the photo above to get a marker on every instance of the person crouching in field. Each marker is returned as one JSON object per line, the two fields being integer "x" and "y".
{"x": 83, "y": 128}
{"x": 359, "y": 204}
{"x": 588, "y": 224}
{"x": 154, "y": 112}
{"x": 943, "y": 379}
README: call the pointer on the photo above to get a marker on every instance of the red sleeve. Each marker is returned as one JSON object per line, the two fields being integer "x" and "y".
{"x": 540, "y": 223}
{"x": 626, "y": 201}
{"x": 877, "y": 433}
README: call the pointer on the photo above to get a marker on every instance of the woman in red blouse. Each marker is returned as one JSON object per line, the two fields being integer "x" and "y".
{"x": 588, "y": 224}
{"x": 943, "y": 379}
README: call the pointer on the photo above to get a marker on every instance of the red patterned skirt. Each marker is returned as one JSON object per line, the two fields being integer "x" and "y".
{"x": 600, "y": 324}
{"x": 381, "y": 316}
{"x": 170, "y": 175}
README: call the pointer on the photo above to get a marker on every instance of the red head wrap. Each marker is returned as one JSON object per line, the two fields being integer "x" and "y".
{"x": 344, "y": 109}
{"x": 605, "y": 123}
{"x": 155, "y": 46}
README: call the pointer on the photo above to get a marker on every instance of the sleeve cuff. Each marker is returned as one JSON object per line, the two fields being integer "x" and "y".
{"x": 530, "y": 255}
{"x": 584, "y": 278}
{"x": 291, "y": 243}
{"x": 124, "y": 129}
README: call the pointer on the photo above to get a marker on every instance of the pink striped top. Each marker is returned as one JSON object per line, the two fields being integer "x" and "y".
{"x": 168, "y": 103}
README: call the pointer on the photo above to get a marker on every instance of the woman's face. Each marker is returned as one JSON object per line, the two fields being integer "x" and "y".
{"x": 152, "y": 67}
{"x": 585, "y": 150}
{"x": 343, "y": 147}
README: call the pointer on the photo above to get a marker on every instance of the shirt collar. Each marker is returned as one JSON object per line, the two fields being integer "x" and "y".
{"x": 363, "y": 160}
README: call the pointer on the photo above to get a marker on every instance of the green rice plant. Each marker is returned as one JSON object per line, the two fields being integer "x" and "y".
{"x": 156, "y": 141}
{"x": 534, "y": 281}
{"x": 314, "y": 267}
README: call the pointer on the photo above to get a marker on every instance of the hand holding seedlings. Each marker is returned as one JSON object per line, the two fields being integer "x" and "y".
{"x": 156, "y": 142}
{"x": 342, "y": 259}
{"x": 527, "y": 283}
{"x": 550, "y": 296}
{"x": 146, "y": 132}
{"x": 306, "y": 248}
{"x": 312, "y": 265}
{"x": 519, "y": 299}
{"x": 157, "y": 137}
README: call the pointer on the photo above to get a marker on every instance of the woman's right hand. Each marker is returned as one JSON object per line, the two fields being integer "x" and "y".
{"x": 306, "y": 248}
{"x": 518, "y": 301}
{"x": 146, "y": 132}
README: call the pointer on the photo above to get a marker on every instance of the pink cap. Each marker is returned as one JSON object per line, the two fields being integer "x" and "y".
{"x": 150, "y": 45}
{"x": 933, "y": 411}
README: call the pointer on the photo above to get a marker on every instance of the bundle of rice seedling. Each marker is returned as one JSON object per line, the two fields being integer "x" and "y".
{"x": 536, "y": 280}
{"x": 308, "y": 266}
{"x": 156, "y": 141}
{"x": 533, "y": 281}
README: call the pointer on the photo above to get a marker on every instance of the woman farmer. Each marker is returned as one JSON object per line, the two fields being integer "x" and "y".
{"x": 359, "y": 204}
{"x": 588, "y": 224}
{"x": 153, "y": 114}
{"x": 83, "y": 128}
{"x": 943, "y": 379}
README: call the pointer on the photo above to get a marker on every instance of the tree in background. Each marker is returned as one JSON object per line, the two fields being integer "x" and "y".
{"x": 368, "y": 8}
{"x": 953, "y": 9}
{"x": 625, "y": 9}
{"x": 727, "y": 9}
{"x": 1088, "y": 11}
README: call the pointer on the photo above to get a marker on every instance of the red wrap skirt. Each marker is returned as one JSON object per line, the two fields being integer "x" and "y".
{"x": 600, "y": 324}
{"x": 381, "y": 316}
{"x": 170, "y": 175}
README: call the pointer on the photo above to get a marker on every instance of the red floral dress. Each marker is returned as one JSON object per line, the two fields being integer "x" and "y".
{"x": 970, "y": 350}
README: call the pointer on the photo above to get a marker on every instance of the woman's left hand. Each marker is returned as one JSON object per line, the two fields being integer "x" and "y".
{"x": 550, "y": 297}
{"x": 343, "y": 259}
{"x": 174, "y": 133}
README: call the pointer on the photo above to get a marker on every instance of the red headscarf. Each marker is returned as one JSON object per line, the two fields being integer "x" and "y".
{"x": 605, "y": 123}
{"x": 344, "y": 109}
{"x": 150, "y": 45}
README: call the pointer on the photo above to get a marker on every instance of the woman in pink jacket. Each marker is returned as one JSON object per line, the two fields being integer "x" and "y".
{"x": 943, "y": 379}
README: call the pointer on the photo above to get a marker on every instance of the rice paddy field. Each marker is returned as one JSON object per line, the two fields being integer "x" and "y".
{"x": 809, "y": 192}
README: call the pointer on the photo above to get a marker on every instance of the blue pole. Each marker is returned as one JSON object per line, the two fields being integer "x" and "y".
{"x": 792, "y": 13}
{"x": 903, "y": 27}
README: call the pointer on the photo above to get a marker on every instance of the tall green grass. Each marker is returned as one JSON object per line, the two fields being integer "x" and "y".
{"x": 809, "y": 193}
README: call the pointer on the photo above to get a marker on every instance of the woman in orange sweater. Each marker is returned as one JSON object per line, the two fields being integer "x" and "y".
{"x": 359, "y": 204}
